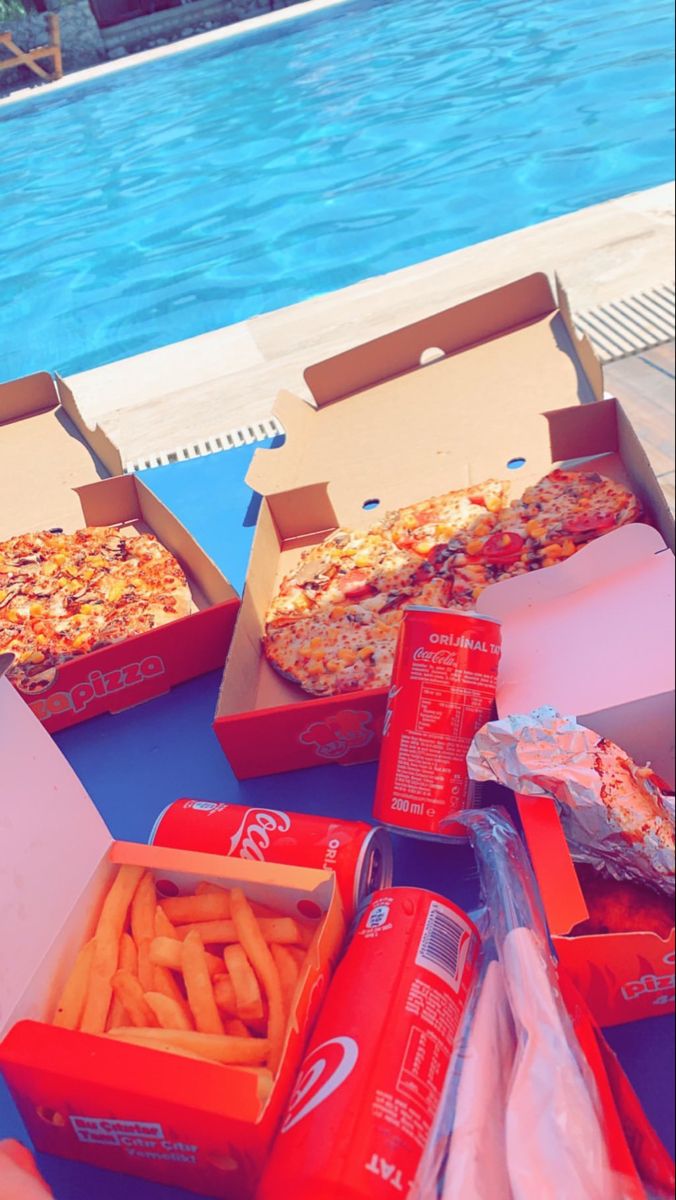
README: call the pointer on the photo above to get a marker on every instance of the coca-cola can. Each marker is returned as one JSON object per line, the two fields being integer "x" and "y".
{"x": 360, "y": 854}
{"x": 371, "y": 1081}
{"x": 442, "y": 692}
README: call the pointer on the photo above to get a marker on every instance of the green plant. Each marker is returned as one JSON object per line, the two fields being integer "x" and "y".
{"x": 16, "y": 8}
{"x": 13, "y": 9}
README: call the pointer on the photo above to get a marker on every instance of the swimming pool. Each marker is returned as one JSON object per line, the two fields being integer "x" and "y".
{"x": 191, "y": 192}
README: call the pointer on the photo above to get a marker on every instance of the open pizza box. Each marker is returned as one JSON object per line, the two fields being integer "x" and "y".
{"x": 51, "y": 477}
{"x": 116, "y": 1105}
{"x": 505, "y": 393}
{"x": 594, "y": 638}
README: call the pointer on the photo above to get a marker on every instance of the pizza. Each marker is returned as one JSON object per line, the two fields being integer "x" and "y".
{"x": 63, "y": 595}
{"x": 362, "y": 567}
{"x": 548, "y": 524}
{"x": 341, "y": 650}
{"x": 333, "y": 625}
{"x": 423, "y": 526}
{"x": 578, "y": 505}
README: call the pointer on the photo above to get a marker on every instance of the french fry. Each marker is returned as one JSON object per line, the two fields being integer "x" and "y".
{"x": 211, "y": 932}
{"x": 106, "y": 948}
{"x": 306, "y": 935}
{"x": 258, "y": 953}
{"x": 145, "y": 966}
{"x": 166, "y": 952}
{"x": 127, "y": 960}
{"x": 71, "y": 1004}
{"x": 224, "y": 994}
{"x": 164, "y": 982}
{"x": 219, "y": 1047}
{"x": 283, "y": 930}
{"x": 183, "y": 910}
{"x": 198, "y": 986}
{"x": 235, "y": 1028}
{"x": 169, "y": 1014}
{"x": 247, "y": 991}
{"x": 163, "y": 926}
{"x": 206, "y": 888}
{"x": 299, "y": 955}
{"x": 143, "y": 927}
{"x": 130, "y": 993}
{"x": 288, "y": 974}
{"x": 143, "y": 910}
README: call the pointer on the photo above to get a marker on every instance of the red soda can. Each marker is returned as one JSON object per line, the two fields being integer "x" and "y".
{"x": 443, "y": 690}
{"x": 371, "y": 1081}
{"x": 360, "y": 854}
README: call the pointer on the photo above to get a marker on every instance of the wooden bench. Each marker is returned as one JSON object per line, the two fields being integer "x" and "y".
{"x": 29, "y": 58}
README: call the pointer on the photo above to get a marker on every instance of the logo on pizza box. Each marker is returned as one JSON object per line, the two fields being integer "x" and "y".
{"x": 336, "y": 736}
{"x": 96, "y": 685}
{"x": 661, "y": 987}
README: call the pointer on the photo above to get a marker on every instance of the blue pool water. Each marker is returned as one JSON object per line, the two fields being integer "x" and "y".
{"x": 189, "y": 193}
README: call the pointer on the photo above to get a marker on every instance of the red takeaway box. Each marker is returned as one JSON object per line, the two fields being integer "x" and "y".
{"x": 118, "y": 1105}
{"x": 52, "y": 476}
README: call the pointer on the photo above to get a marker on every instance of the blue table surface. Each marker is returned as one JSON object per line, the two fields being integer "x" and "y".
{"x": 135, "y": 763}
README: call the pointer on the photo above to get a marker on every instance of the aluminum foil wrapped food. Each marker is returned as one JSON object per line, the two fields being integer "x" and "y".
{"x": 613, "y": 814}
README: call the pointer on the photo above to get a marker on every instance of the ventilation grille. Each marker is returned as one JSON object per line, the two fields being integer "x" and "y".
{"x": 259, "y": 431}
{"x": 627, "y": 326}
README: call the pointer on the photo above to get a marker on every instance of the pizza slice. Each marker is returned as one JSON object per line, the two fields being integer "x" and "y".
{"x": 421, "y": 527}
{"x": 64, "y": 595}
{"x": 350, "y": 567}
{"x": 575, "y": 505}
{"x": 553, "y": 519}
{"x": 341, "y": 650}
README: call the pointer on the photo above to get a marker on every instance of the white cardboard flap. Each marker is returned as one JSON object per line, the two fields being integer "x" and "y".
{"x": 593, "y": 635}
{"x": 51, "y": 840}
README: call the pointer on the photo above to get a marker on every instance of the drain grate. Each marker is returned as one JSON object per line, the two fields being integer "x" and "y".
{"x": 258, "y": 431}
{"x": 627, "y": 326}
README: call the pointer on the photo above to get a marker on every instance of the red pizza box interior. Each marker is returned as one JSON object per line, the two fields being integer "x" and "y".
{"x": 51, "y": 478}
{"x": 594, "y": 638}
{"x": 119, "y": 1106}
{"x": 506, "y": 393}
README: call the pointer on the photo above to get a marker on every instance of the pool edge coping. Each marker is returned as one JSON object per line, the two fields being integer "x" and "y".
{"x": 223, "y": 33}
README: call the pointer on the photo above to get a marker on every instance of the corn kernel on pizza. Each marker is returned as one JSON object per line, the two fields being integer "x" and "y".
{"x": 63, "y": 595}
{"x": 332, "y": 627}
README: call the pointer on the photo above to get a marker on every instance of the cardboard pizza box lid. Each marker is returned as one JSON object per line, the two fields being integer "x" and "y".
{"x": 447, "y": 401}
{"x": 46, "y": 450}
{"x": 51, "y": 840}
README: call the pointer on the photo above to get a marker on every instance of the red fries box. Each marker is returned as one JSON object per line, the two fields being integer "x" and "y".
{"x": 175, "y": 1120}
{"x": 387, "y": 430}
{"x": 593, "y": 638}
{"x": 48, "y": 469}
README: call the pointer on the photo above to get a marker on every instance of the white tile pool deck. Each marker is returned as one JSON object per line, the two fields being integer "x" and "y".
{"x": 192, "y": 390}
